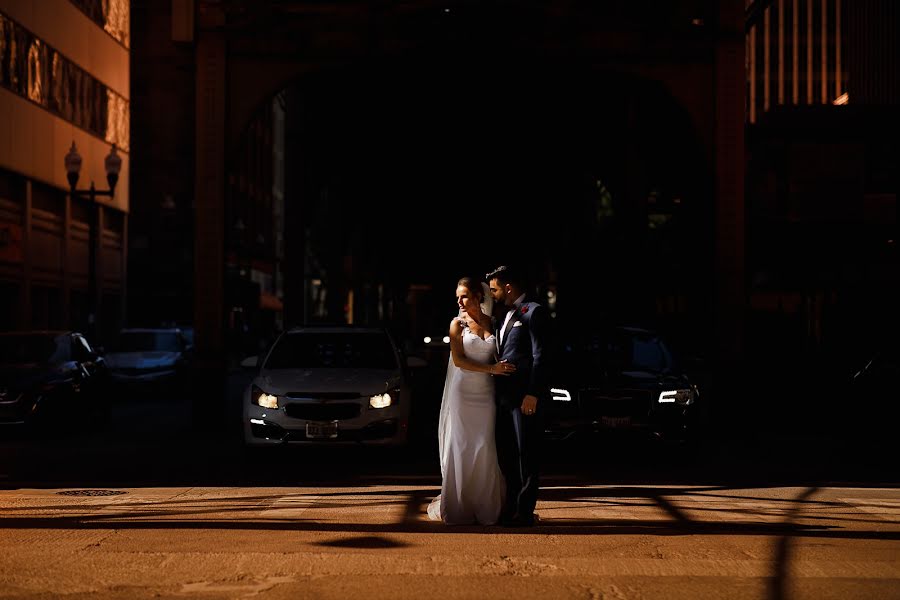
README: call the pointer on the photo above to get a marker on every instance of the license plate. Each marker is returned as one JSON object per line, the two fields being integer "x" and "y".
{"x": 322, "y": 430}
{"x": 615, "y": 422}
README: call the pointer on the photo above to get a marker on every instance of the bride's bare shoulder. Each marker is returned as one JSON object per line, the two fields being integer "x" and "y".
{"x": 455, "y": 326}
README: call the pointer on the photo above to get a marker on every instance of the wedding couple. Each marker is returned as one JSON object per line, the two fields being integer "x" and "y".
{"x": 490, "y": 424}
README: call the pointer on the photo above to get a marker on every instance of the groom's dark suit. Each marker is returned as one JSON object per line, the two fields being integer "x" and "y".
{"x": 522, "y": 343}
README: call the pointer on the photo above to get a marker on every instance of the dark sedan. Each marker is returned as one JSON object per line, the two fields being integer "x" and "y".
{"x": 143, "y": 358}
{"x": 621, "y": 379}
{"x": 869, "y": 407}
{"x": 51, "y": 376}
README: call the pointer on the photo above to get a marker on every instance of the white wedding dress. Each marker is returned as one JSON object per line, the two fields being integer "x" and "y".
{"x": 472, "y": 486}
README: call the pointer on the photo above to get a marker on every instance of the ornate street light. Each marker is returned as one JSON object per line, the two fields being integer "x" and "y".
{"x": 113, "y": 164}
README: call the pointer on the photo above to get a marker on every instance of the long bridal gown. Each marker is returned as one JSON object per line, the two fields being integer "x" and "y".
{"x": 472, "y": 485}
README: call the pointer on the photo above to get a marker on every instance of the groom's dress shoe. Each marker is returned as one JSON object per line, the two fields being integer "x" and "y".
{"x": 520, "y": 521}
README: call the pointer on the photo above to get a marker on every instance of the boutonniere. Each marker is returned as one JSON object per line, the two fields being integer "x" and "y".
{"x": 524, "y": 309}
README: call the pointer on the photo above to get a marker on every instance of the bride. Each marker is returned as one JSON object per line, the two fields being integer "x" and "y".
{"x": 472, "y": 486}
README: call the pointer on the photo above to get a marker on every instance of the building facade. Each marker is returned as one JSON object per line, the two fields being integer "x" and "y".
{"x": 64, "y": 80}
{"x": 823, "y": 158}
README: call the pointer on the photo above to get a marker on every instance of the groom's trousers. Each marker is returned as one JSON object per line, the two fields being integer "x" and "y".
{"x": 518, "y": 452}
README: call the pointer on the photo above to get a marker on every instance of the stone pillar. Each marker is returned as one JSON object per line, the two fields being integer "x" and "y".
{"x": 729, "y": 289}
{"x": 209, "y": 226}
{"x": 297, "y": 189}
{"x": 27, "y": 261}
{"x": 208, "y": 378}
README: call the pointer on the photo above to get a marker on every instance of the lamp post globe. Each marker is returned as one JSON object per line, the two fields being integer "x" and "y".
{"x": 73, "y": 165}
{"x": 113, "y": 164}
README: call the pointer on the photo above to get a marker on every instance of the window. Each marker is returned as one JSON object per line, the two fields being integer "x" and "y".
{"x": 33, "y": 70}
{"x": 30, "y": 348}
{"x": 149, "y": 341}
{"x": 46, "y": 307}
{"x": 112, "y": 15}
{"x": 332, "y": 350}
{"x": 46, "y": 198}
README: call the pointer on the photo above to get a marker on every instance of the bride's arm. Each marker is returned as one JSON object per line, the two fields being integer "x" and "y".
{"x": 459, "y": 355}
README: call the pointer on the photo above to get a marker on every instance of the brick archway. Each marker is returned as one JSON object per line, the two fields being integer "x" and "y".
{"x": 238, "y": 72}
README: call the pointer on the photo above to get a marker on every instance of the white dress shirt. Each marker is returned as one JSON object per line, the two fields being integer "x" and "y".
{"x": 517, "y": 303}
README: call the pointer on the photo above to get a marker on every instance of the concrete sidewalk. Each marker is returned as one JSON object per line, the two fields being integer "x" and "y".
{"x": 374, "y": 541}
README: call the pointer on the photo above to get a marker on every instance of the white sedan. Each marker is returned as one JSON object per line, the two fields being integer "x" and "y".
{"x": 328, "y": 385}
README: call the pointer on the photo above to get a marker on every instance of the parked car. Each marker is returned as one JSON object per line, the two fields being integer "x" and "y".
{"x": 188, "y": 332}
{"x": 326, "y": 385}
{"x": 621, "y": 379}
{"x": 51, "y": 375}
{"x": 872, "y": 408}
{"x": 149, "y": 356}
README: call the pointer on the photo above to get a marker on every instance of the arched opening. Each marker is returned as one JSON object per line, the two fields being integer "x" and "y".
{"x": 399, "y": 178}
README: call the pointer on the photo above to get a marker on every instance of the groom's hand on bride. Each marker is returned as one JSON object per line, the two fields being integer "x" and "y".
{"x": 502, "y": 368}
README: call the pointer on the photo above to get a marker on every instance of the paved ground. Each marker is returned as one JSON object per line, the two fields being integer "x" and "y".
{"x": 372, "y": 540}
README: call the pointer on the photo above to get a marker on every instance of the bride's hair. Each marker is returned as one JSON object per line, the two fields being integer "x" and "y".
{"x": 473, "y": 285}
{"x": 480, "y": 291}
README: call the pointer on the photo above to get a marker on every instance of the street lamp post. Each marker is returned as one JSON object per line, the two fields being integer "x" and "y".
{"x": 113, "y": 164}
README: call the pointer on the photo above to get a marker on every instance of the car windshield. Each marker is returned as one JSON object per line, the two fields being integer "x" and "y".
{"x": 628, "y": 352}
{"x": 310, "y": 350}
{"x": 148, "y": 341}
{"x": 26, "y": 349}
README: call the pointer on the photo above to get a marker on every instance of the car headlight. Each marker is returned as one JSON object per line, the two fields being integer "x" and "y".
{"x": 561, "y": 395}
{"x": 684, "y": 396}
{"x": 384, "y": 400}
{"x": 258, "y": 396}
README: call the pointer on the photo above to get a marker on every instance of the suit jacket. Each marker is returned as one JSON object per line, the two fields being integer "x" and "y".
{"x": 525, "y": 345}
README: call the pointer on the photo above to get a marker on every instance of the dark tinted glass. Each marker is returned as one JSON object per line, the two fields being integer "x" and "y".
{"x": 24, "y": 349}
{"x": 332, "y": 350}
{"x": 148, "y": 341}
{"x": 625, "y": 351}
{"x": 38, "y": 72}
{"x": 112, "y": 15}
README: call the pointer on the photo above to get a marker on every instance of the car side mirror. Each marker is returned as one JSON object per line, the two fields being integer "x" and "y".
{"x": 251, "y": 362}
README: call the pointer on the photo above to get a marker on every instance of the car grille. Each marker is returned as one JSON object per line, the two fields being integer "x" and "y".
{"x": 324, "y": 395}
{"x": 615, "y": 403}
{"x": 322, "y": 412}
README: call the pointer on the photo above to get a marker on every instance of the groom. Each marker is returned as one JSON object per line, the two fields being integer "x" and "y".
{"x": 521, "y": 333}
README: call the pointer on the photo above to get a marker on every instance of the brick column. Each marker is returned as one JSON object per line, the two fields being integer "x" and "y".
{"x": 209, "y": 227}
{"x": 729, "y": 288}
{"x": 208, "y": 378}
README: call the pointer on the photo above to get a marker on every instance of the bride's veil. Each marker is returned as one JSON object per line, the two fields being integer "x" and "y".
{"x": 444, "y": 432}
